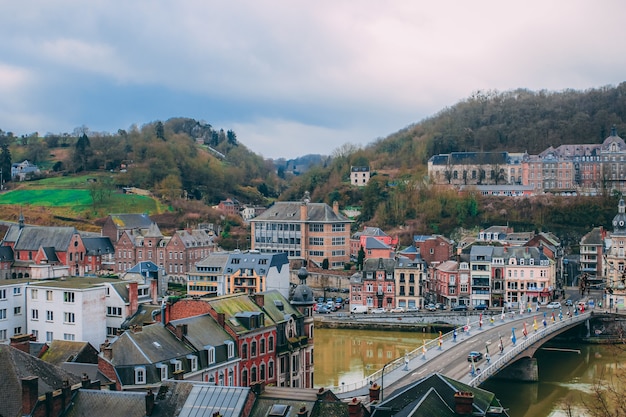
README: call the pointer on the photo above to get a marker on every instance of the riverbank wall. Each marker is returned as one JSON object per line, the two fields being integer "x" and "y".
{"x": 327, "y": 323}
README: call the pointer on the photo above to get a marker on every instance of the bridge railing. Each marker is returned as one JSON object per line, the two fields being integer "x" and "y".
{"x": 500, "y": 361}
{"x": 419, "y": 352}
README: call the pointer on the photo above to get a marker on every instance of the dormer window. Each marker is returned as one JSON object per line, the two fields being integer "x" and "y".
{"x": 140, "y": 375}
{"x": 210, "y": 351}
{"x": 163, "y": 368}
{"x": 231, "y": 348}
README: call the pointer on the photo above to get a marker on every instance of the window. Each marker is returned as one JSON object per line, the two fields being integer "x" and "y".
{"x": 33, "y": 294}
{"x": 69, "y": 336}
{"x": 48, "y": 295}
{"x": 49, "y": 315}
{"x": 69, "y": 318}
{"x": 231, "y": 349}
{"x": 244, "y": 351}
{"x": 316, "y": 227}
{"x": 3, "y": 334}
{"x": 339, "y": 227}
{"x": 339, "y": 241}
{"x": 270, "y": 370}
{"x": 114, "y": 311}
{"x": 17, "y": 290}
{"x": 253, "y": 349}
{"x": 210, "y": 351}
{"x": 316, "y": 241}
{"x": 163, "y": 368}
{"x": 34, "y": 314}
{"x": 68, "y": 296}
{"x": 17, "y": 311}
{"x": 49, "y": 336}
{"x": 17, "y": 330}
{"x": 270, "y": 344}
{"x": 35, "y": 334}
{"x": 3, "y": 294}
{"x": 178, "y": 365}
{"x": 140, "y": 375}
{"x": 193, "y": 362}
{"x": 262, "y": 347}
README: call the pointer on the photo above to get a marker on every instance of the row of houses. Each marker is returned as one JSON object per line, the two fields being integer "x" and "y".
{"x": 568, "y": 169}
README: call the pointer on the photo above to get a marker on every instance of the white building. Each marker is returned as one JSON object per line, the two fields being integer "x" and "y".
{"x": 68, "y": 309}
{"x": 12, "y": 311}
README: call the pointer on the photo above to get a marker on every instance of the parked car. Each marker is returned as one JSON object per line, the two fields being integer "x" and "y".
{"x": 412, "y": 309}
{"x": 397, "y": 310}
{"x": 338, "y": 300}
{"x": 431, "y": 307}
{"x": 474, "y": 356}
{"x": 378, "y": 310}
{"x": 481, "y": 307}
{"x": 569, "y": 302}
{"x": 345, "y": 290}
{"x": 460, "y": 307}
{"x": 358, "y": 309}
{"x": 440, "y": 306}
{"x": 554, "y": 304}
{"x": 323, "y": 310}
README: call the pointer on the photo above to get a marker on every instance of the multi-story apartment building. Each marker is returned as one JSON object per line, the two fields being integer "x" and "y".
{"x": 409, "y": 277}
{"x": 584, "y": 168}
{"x": 359, "y": 240}
{"x": 446, "y": 282}
{"x": 480, "y": 274}
{"x": 176, "y": 254}
{"x": 433, "y": 248}
{"x": 12, "y": 308}
{"x": 313, "y": 232}
{"x": 529, "y": 274}
{"x": 251, "y": 271}
{"x": 376, "y": 286}
{"x": 592, "y": 252}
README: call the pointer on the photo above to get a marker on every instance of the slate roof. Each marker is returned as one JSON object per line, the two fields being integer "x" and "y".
{"x": 50, "y": 254}
{"x": 60, "y": 351}
{"x": 95, "y": 403}
{"x": 6, "y": 254}
{"x": 278, "y": 307}
{"x": 121, "y": 288}
{"x": 233, "y": 305}
{"x": 197, "y": 237}
{"x": 98, "y": 245}
{"x": 144, "y": 316}
{"x": 594, "y": 237}
{"x": 16, "y": 365}
{"x": 250, "y": 260}
{"x": 203, "y": 331}
{"x": 143, "y": 267}
{"x": 294, "y": 398}
{"x": 370, "y": 231}
{"x": 154, "y": 343}
{"x": 377, "y": 264}
{"x": 131, "y": 221}
{"x": 289, "y": 211}
{"x": 34, "y": 237}
{"x": 433, "y": 395}
{"x": 481, "y": 251}
{"x": 373, "y": 243}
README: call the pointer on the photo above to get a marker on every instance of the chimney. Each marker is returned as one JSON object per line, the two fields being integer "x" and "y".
{"x": 336, "y": 207}
{"x": 49, "y": 403}
{"x": 66, "y": 394}
{"x": 30, "y": 393}
{"x": 304, "y": 211}
{"x": 85, "y": 382}
{"x": 133, "y": 297}
{"x": 107, "y": 350}
{"x": 149, "y": 402}
{"x": 220, "y": 319}
{"x": 354, "y": 408}
{"x": 302, "y": 412}
{"x": 374, "y": 392}
{"x": 181, "y": 331}
{"x": 178, "y": 375}
{"x": 154, "y": 290}
{"x": 463, "y": 402}
{"x": 22, "y": 342}
{"x": 259, "y": 300}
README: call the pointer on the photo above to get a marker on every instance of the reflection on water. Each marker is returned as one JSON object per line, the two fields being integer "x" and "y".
{"x": 565, "y": 378}
{"x": 347, "y": 356}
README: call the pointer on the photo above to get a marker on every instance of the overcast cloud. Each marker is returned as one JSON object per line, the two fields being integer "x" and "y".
{"x": 291, "y": 77}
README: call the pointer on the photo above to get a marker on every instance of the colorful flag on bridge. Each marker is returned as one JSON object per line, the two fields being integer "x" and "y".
{"x": 525, "y": 331}
{"x": 480, "y": 321}
{"x": 553, "y": 319}
{"x": 440, "y": 338}
{"x": 535, "y": 323}
{"x": 424, "y": 347}
{"x": 513, "y": 338}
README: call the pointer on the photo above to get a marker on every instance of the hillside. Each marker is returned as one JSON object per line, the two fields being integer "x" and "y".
{"x": 400, "y": 198}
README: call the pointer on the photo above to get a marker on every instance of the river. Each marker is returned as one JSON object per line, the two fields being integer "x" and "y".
{"x": 566, "y": 378}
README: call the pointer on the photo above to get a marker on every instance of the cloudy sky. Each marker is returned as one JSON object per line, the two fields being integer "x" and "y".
{"x": 291, "y": 77}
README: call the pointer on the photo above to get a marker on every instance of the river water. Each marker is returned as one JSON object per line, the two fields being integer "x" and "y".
{"x": 566, "y": 377}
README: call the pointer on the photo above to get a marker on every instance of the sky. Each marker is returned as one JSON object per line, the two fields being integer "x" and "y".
{"x": 291, "y": 77}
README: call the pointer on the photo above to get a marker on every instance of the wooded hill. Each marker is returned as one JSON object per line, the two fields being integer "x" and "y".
{"x": 400, "y": 196}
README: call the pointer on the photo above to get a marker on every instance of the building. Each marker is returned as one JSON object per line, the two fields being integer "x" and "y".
{"x": 12, "y": 308}
{"x": 592, "y": 252}
{"x": 409, "y": 275}
{"x": 568, "y": 170}
{"x": 41, "y": 252}
{"x": 359, "y": 176}
{"x": 229, "y": 207}
{"x": 614, "y": 269}
{"x": 480, "y": 274}
{"x": 249, "y": 271}
{"x": 21, "y": 170}
{"x": 376, "y": 286}
{"x": 433, "y": 248}
{"x": 100, "y": 255}
{"x": 313, "y": 232}
{"x": 447, "y": 284}
{"x": 359, "y": 240}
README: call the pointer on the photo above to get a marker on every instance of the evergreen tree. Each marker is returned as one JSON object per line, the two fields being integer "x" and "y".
{"x": 5, "y": 163}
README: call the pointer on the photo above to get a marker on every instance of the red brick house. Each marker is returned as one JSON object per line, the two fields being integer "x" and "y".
{"x": 433, "y": 248}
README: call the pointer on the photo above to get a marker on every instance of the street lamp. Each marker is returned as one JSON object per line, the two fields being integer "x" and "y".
{"x": 382, "y": 379}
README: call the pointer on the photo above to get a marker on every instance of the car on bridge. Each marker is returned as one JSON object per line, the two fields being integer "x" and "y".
{"x": 431, "y": 307}
{"x": 474, "y": 356}
{"x": 460, "y": 307}
{"x": 378, "y": 310}
{"x": 554, "y": 304}
{"x": 397, "y": 310}
{"x": 481, "y": 307}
